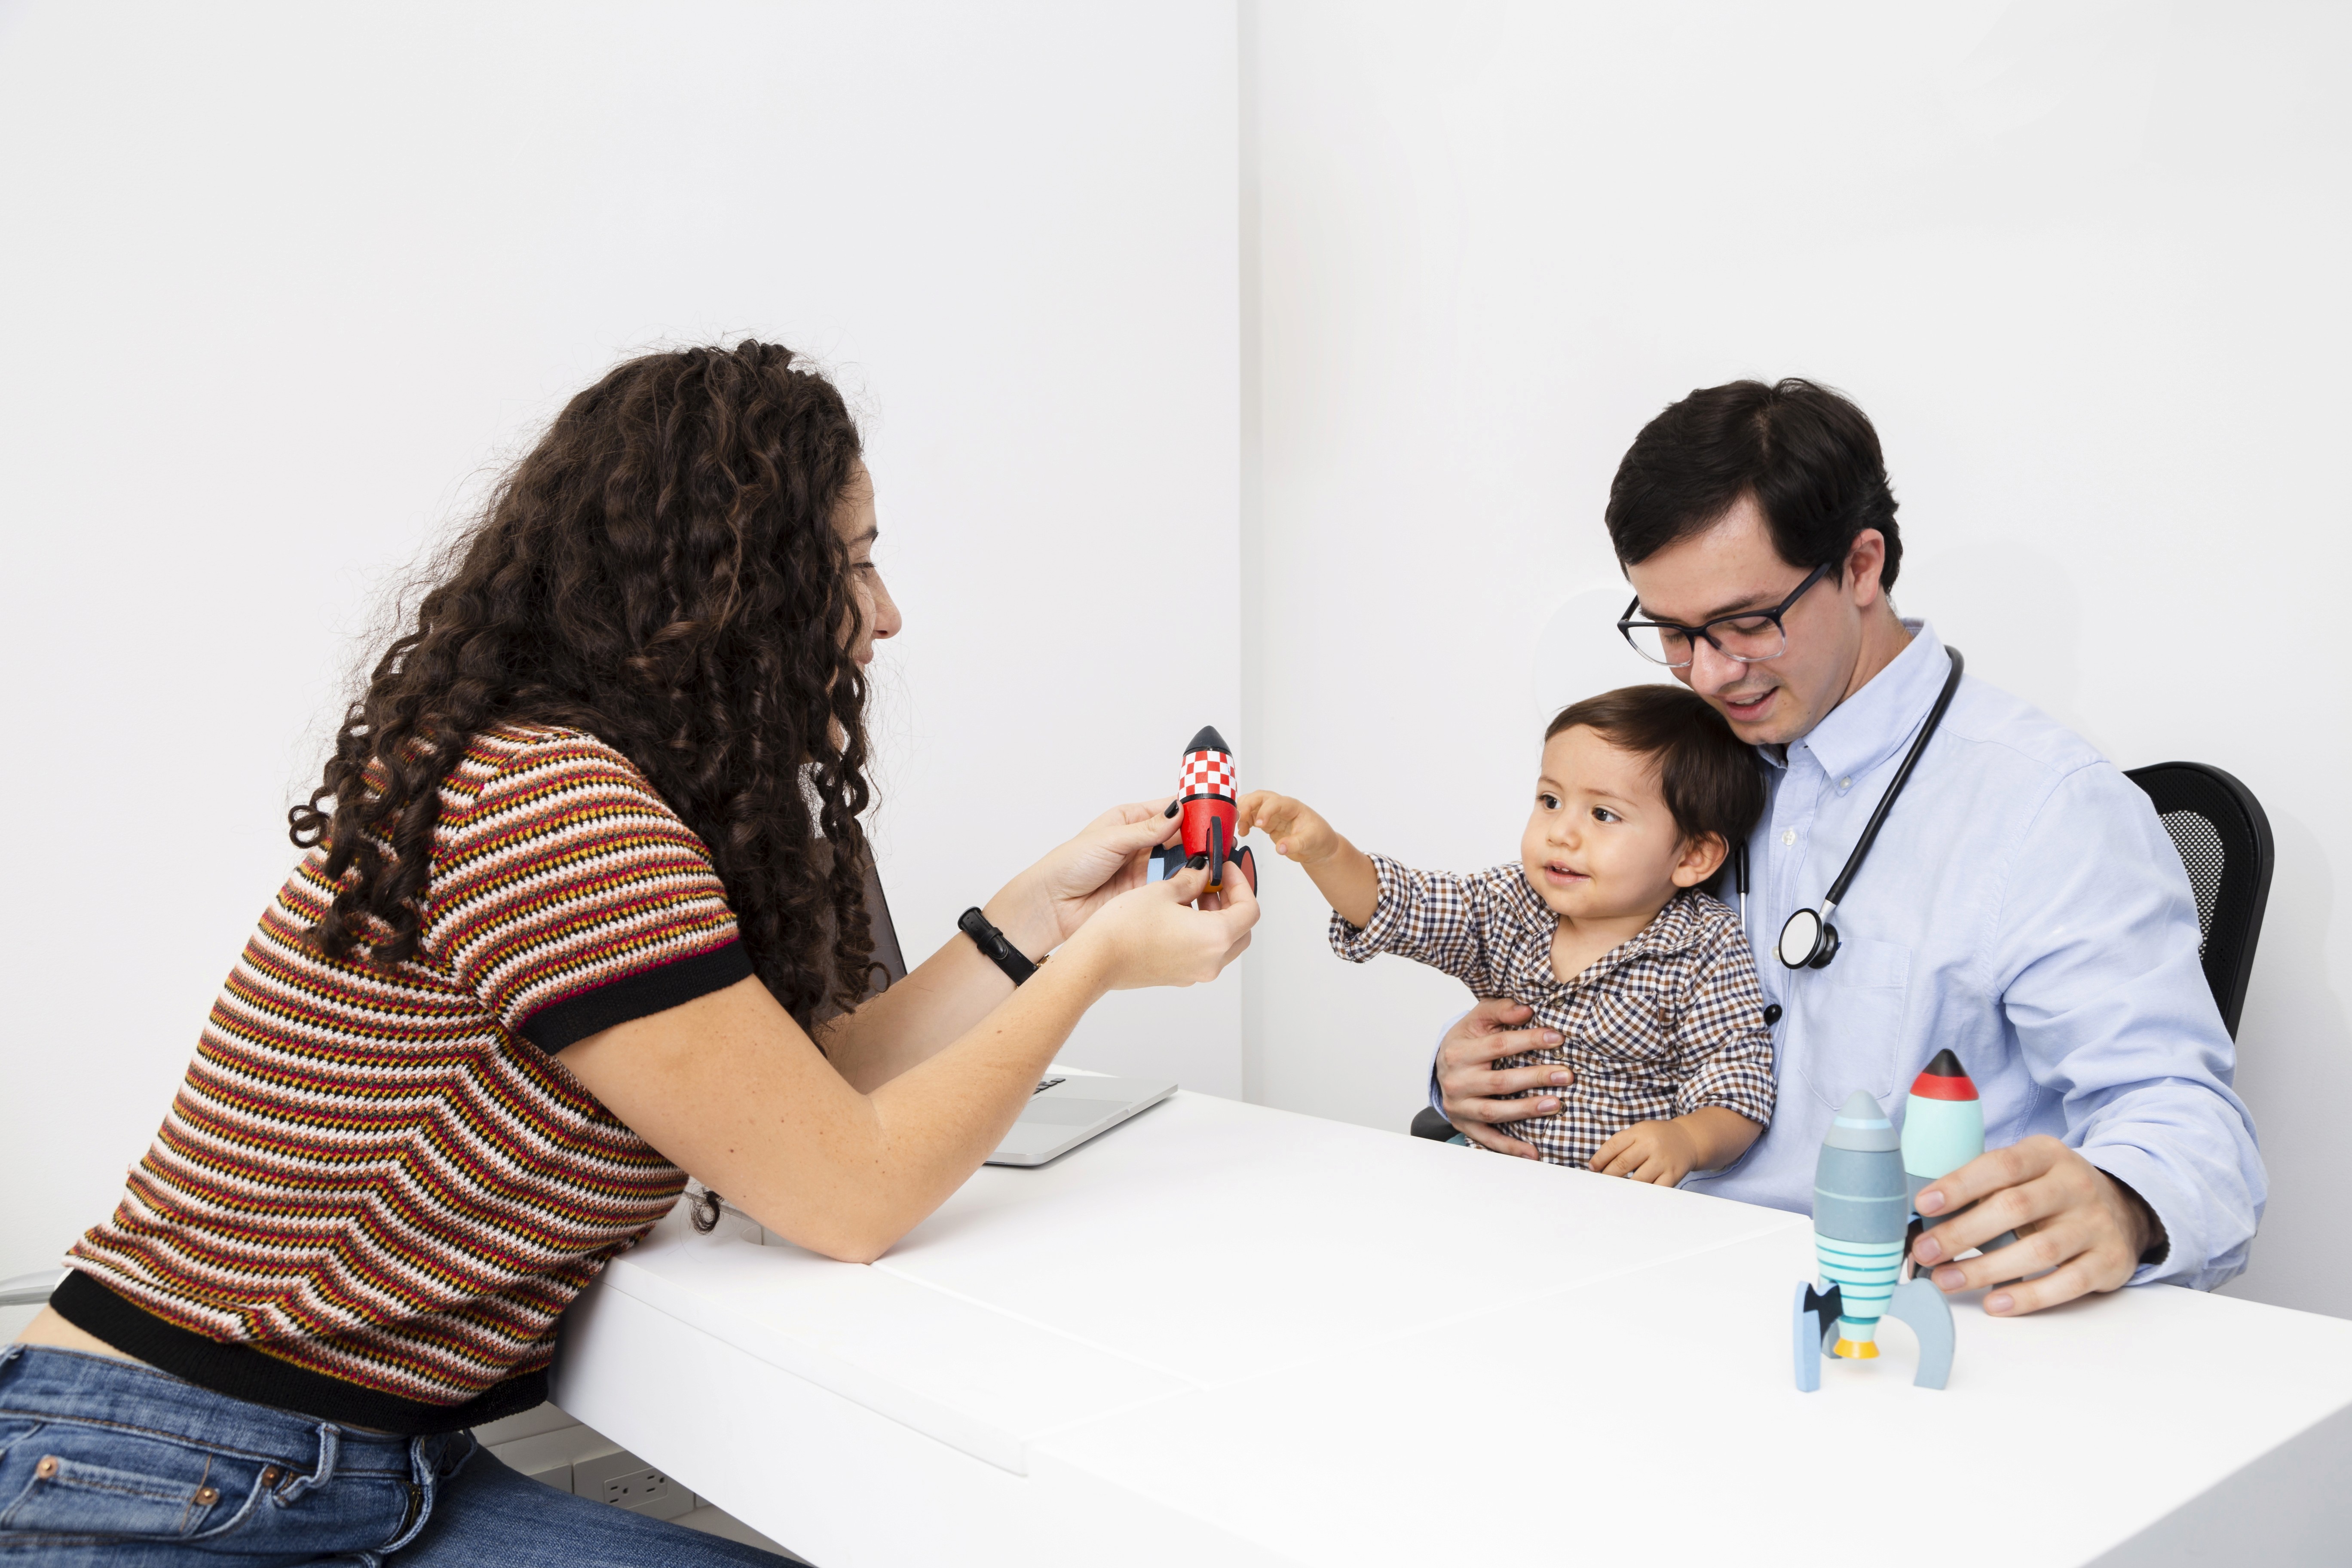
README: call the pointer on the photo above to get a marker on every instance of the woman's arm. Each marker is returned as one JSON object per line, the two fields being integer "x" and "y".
{"x": 730, "y": 1088}
{"x": 954, "y": 989}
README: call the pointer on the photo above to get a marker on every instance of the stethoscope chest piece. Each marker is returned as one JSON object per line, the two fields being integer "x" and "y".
{"x": 1808, "y": 942}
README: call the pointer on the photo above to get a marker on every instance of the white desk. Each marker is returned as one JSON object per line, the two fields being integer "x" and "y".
{"x": 1225, "y": 1334}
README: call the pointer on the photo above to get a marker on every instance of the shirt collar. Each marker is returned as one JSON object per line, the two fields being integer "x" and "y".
{"x": 1873, "y": 723}
{"x": 1676, "y": 927}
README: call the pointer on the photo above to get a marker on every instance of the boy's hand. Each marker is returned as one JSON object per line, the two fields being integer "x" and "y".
{"x": 1298, "y": 833}
{"x": 1659, "y": 1151}
{"x": 1341, "y": 872}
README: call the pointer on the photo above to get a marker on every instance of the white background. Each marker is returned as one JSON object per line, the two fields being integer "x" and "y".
{"x": 2083, "y": 265}
{"x": 281, "y": 288}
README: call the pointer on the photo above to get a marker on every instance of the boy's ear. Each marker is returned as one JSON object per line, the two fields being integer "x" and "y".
{"x": 1701, "y": 858}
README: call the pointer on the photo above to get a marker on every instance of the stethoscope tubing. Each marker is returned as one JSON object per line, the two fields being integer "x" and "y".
{"x": 1813, "y": 957}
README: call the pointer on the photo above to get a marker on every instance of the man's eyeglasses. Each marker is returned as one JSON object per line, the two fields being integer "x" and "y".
{"x": 1751, "y": 636}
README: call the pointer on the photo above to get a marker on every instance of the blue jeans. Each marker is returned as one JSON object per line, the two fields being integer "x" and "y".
{"x": 104, "y": 1461}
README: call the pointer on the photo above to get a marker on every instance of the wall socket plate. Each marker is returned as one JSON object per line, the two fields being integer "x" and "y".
{"x": 624, "y": 1481}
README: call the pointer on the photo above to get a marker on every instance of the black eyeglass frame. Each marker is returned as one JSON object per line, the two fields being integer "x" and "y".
{"x": 1627, "y": 625}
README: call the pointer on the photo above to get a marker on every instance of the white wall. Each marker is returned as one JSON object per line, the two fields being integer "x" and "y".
{"x": 278, "y": 285}
{"x": 2084, "y": 264}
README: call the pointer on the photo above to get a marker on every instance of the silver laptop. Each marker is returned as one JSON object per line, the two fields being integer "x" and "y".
{"x": 1064, "y": 1111}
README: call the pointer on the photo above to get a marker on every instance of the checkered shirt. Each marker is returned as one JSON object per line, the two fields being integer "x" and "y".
{"x": 1663, "y": 1024}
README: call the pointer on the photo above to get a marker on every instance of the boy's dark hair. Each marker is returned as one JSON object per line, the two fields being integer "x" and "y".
{"x": 1809, "y": 457}
{"x": 1706, "y": 773}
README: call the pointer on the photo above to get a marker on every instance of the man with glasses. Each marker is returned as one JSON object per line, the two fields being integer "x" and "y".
{"x": 2020, "y": 906}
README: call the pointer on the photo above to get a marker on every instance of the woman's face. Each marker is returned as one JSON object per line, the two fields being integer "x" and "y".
{"x": 877, "y": 613}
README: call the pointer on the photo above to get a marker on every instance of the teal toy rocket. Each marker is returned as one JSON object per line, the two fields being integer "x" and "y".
{"x": 1863, "y": 1189}
{"x": 1943, "y": 1128}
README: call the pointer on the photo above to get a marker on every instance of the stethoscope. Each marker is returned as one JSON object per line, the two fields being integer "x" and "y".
{"x": 1809, "y": 940}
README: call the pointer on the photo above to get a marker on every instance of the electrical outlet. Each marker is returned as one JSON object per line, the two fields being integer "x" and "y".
{"x": 626, "y": 1481}
{"x": 638, "y": 1490}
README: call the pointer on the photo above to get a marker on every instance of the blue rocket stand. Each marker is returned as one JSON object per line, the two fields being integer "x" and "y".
{"x": 1813, "y": 1325}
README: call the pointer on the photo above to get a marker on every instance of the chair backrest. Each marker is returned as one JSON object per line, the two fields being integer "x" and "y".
{"x": 2224, "y": 840}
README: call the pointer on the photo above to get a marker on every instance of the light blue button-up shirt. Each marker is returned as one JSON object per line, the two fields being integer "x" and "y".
{"x": 2022, "y": 905}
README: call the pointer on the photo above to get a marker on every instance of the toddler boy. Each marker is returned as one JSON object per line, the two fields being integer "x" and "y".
{"x": 1646, "y": 984}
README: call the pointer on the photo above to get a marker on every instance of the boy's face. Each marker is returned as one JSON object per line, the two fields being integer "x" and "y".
{"x": 1600, "y": 843}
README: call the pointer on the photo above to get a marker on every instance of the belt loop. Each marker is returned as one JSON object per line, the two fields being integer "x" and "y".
{"x": 331, "y": 1442}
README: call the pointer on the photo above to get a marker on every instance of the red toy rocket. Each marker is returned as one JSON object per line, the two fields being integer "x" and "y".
{"x": 1207, "y": 796}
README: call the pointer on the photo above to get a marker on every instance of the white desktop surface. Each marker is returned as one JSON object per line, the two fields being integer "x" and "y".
{"x": 1224, "y": 1333}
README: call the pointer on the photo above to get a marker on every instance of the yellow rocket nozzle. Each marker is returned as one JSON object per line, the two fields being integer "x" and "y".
{"x": 1865, "y": 1349}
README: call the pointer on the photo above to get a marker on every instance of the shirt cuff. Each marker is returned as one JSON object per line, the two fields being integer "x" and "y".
{"x": 656, "y": 989}
{"x": 2141, "y": 1172}
{"x": 1362, "y": 945}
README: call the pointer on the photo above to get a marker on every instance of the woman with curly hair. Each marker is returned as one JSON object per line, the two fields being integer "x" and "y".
{"x": 582, "y": 913}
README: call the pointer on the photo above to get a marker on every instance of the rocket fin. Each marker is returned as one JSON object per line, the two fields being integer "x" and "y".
{"x": 1813, "y": 1326}
{"x": 1806, "y": 1331}
{"x": 1918, "y": 1303}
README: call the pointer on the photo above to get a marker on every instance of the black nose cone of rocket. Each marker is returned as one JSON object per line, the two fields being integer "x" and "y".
{"x": 1208, "y": 740}
{"x": 1947, "y": 1065}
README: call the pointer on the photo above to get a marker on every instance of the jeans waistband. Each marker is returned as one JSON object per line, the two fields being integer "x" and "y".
{"x": 43, "y": 1381}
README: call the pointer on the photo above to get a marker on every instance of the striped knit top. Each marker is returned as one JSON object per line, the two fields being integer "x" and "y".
{"x": 377, "y": 1191}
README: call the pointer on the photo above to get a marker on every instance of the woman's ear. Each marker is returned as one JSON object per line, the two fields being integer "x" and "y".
{"x": 1701, "y": 857}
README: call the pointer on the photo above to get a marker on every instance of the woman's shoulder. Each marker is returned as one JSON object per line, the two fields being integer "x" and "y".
{"x": 515, "y": 774}
{"x": 541, "y": 755}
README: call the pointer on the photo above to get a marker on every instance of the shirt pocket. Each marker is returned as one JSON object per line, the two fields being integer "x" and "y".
{"x": 1849, "y": 1020}
{"x": 1628, "y": 1027}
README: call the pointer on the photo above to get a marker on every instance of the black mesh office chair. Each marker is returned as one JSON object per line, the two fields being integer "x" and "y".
{"x": 2224, "y": 840}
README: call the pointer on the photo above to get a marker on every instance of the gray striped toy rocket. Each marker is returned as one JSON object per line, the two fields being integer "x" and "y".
{"x": 1863, "y": 1189}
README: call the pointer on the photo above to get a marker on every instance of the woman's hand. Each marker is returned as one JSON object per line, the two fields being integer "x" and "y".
{"x": 1152, "y": 936}
{"x": 1042, "y": 907}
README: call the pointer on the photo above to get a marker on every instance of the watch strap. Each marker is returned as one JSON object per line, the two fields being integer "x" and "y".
{"x": 991, "y": 942}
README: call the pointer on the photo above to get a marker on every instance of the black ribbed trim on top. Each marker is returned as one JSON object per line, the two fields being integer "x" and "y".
{"x": 243, "y": 1372}
{"x": 638, "y": 995}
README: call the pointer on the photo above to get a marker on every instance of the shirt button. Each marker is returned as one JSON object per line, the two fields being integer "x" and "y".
{"x": 1789, "y": 836}
{"x": 1845, "y": 784}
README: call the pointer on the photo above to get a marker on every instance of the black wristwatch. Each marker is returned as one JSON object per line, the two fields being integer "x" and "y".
{"x": 990, "y": 941}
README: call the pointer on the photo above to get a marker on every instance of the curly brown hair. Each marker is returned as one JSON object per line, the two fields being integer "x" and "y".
{"x": 663, "y": 572}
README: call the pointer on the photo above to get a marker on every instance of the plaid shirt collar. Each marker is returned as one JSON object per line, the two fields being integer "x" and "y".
{"x": 1676, "y": 927}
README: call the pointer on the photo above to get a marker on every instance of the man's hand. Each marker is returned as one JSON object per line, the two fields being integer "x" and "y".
{"x": 1657, "y": 1152}
{"x": 2071, "y": 1217}
{"x": 1468, "y": 1081}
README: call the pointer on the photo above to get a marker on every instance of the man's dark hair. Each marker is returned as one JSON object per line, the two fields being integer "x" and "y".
{"x": 1706, "y": 773}
{"x": 1809, "y": 457}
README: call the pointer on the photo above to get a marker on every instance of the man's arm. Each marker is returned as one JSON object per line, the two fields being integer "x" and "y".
{"x": 2093, "y": 954}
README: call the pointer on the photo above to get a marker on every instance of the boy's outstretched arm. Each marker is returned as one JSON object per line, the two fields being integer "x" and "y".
{"x": 1341, "y": 872}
